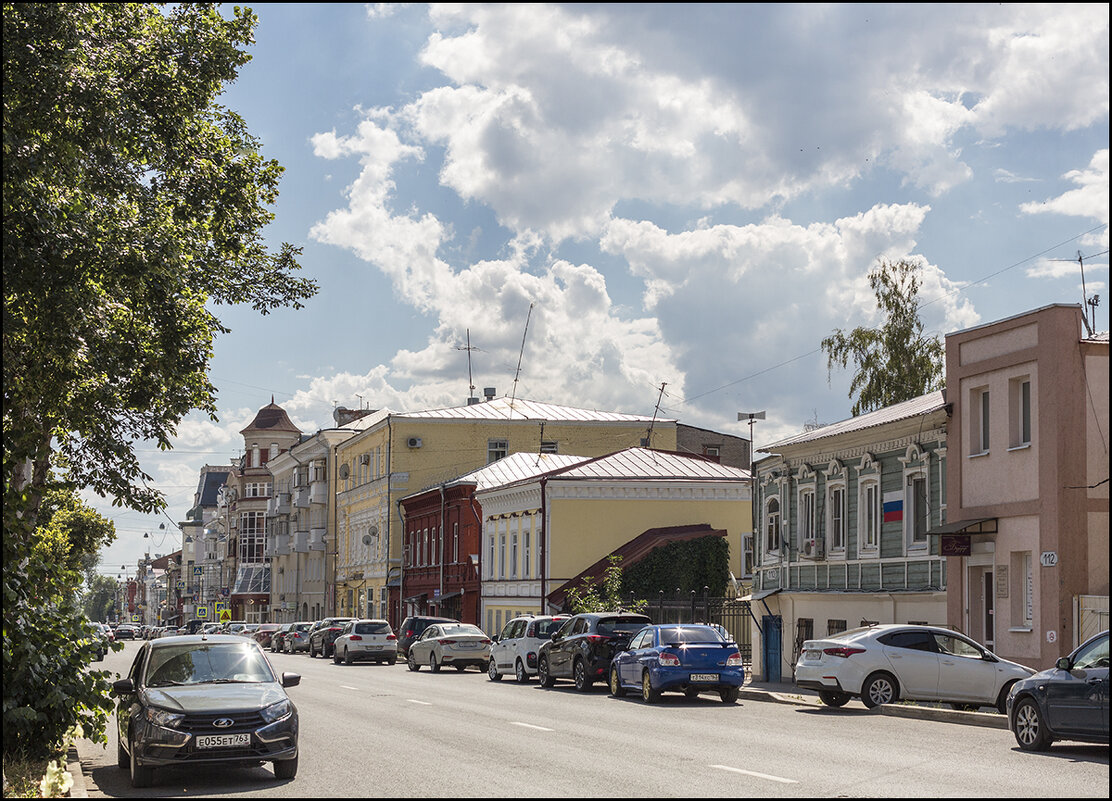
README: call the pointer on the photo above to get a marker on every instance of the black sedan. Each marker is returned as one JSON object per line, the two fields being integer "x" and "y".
{"x": 197, "y": 700}
{"x": 1067, "y": 702}
{"x": 583, "y": 647}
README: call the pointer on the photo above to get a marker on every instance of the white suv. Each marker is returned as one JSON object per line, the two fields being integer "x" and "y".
{"x": 515, "y": 648}
{"x": 366, "y": 639}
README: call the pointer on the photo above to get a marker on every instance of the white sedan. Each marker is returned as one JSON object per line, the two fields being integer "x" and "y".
{"x": 366, "y": 639}
{"x": 887, "y": 663}
{"x": 458, "y": 644}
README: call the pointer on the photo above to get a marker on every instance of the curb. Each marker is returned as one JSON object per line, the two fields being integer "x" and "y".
{"x": 73, "y": 767}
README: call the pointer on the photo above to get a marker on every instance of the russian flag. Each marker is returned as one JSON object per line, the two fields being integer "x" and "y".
{"x": 893, "y": 507}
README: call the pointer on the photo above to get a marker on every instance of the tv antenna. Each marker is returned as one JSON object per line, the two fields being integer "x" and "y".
{"x": 1092, "y": 302}
{"x": 513, "y": 392}
{"x": 656, "y": 411}
{"x": 470, "y": 380}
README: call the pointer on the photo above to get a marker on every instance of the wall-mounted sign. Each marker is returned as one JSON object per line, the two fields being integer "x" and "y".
{"x": 1049, "y": 559}
{"x": 955, "y": 545}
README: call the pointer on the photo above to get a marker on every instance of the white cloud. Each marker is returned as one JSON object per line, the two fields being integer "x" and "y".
{"x": 1090, "y": 199}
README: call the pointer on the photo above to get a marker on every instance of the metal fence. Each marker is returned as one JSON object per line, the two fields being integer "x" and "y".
{"x": 692, "y": 607}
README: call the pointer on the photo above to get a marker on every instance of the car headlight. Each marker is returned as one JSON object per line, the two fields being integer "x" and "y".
{"x": 163, "y": 717}
{"x": 278, "y": 711}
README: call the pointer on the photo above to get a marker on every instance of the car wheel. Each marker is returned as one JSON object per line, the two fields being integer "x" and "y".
{"x": 392, "y": 660}
{"x": 1002, "y": 699}
{"x": 648, "y": 694}
{"x": 543, "y": 675}
{"x": 140, "y": 776}
{"x": 833, "y": 697}
{"x": 519, "y": 672}
{"x": 434, "y": 666}
{"x": 1029, "y": 728}
{"x": 616, "y": 688}
{"x": 729, "y": 695}
{"x": 412, "y": 663}
{"x": 347, "y": 657}
{"x": 582, "y": 682}
{"x": 879, "y": 688}
{"x": 492, "y": 671}
{"x": 285, "y": 768}
{"x": 123, "y": 761}
{"x": 312, "y": 651}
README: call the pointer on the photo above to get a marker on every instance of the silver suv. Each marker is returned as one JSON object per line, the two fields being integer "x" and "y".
{"x": 516, "y": 646}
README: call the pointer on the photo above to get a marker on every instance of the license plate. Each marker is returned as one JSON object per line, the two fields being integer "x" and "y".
{"x": 704, "y": 677}
{"x": 223, "y": 740}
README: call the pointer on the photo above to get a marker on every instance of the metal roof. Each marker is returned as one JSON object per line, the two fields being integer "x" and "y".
{"x": 641, "y": 463}
{"x": 522, "y": 409}
{"x": 517, "y": 467}
{"x": 924, "y": 404}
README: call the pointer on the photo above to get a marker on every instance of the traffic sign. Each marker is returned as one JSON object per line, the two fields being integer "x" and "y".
{"x": 225, "y": 615}
{"x": 198, "y": 570}
{"x": 202, "y": 612}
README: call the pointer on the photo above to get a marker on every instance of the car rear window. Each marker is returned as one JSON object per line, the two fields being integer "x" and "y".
{"x": 693, "y": 634}
{"x": 622, "y": 625}
{"x": 460, "y": 628}
{"x": 372, "y": 628}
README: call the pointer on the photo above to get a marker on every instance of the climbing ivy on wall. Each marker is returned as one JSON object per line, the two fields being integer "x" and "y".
{"x": 688, "y": 565}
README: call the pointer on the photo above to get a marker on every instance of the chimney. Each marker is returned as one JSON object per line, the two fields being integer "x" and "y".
{"x": 489, "y": 392}
{"x": 472, "y": 401}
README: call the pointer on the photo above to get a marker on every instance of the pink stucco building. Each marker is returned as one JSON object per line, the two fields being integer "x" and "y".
{"x": 1026, "y": 537}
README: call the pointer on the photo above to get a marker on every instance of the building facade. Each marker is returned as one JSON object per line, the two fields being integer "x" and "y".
{"x": 845, "y": 512}
{"x": 1028, "y": 484}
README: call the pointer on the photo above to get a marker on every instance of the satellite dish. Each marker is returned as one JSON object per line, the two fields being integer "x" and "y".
{"x": 366, "y": 539}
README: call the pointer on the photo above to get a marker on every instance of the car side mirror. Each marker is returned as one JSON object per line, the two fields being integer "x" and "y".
{"x": 494, "y": 638}
{"x": 291, "y": 679}
{"x": 123, "y": 687}
{"x": 1063, "y": 663}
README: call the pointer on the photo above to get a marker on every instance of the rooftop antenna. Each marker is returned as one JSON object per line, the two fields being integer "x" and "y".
{"x": 513, "y": 392}
{"x": 649, "y": 434}
{"x": 1086, "y": 300}
{"x": 470, "y": 381}
{"x": 360, "y": 400}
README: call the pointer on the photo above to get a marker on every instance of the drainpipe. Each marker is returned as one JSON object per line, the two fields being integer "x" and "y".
{"x": 542, "y": 544}
{"x": 441, "y": 552}
{"x": 389, "y": 474}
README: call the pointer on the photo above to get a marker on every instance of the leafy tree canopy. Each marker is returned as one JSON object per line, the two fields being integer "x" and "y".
{"x": 591, "y": 595}
{"x": 895, "y": 362}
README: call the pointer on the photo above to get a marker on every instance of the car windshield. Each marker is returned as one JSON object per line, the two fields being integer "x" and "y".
{"x": 205, "y": 663}
{"x": 372, "y": 628}
{"x": 692, "y": 634}
{"x": 621, "y": 625}
{"x": 460, "y": 628}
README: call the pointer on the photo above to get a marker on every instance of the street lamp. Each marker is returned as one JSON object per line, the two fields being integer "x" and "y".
{"x": 752, "y": 417}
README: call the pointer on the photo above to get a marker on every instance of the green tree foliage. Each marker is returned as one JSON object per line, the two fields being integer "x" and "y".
{"x": 595, "y": 596}
{"x": 687, "y": 565}
{"x": 98, "y": 600}
{"x": 134, "y": 207}
{"x": 895, "y": 362}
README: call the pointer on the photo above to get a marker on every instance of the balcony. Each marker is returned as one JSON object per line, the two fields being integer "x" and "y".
{"x": 279, "y": 504}
{"x": 318, "y": 492}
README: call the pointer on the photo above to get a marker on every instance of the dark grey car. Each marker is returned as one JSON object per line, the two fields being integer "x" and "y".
{"x": 197, "y": 700}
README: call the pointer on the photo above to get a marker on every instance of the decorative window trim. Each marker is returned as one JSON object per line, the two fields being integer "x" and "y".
{"x": 836, "y": 487}
{"x": 912, "y": 473}
{"x": 864, "y": 484}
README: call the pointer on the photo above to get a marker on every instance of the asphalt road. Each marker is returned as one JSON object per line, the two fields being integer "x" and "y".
{"x": 370, "y": 730}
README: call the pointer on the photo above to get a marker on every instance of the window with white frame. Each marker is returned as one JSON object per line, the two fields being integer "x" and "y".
{"x": 917, "y": 509}
{"x": 1019, "y": 412}
{"x": 497, "y": 449}
{"x": 836, "y": 515}
{"x": 772, "y": 525}
{"x": 502, "y": 551}
{"x": 806, "y": 515}
{"x": 490, "y": 551}
{"x": 513, "y": 554}
{"x": 868, "y": 515}
{"x": 526, "y": 537}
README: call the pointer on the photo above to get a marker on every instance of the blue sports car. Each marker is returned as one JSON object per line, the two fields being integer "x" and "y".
{"x": 675, "y": 657}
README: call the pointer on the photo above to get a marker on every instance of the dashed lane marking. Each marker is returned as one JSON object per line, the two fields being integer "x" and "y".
{"x": 753, "y": 773}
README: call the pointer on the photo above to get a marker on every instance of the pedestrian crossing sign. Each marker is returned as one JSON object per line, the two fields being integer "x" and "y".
{"x": 225, "y": 615}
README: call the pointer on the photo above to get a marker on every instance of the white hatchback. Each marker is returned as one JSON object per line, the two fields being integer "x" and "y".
{"x": 516, "y": 647}
{"x": 366, "y": 639}
{"x": 887, "y": 663}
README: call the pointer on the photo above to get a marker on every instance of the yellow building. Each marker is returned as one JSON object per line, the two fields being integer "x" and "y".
{"x": 395, "y": 454}
{"x": 542, "y": 534}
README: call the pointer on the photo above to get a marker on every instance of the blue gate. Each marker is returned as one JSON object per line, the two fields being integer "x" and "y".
{"x": 771, "y": 625}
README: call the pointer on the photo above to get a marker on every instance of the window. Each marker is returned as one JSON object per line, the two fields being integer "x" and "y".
{"x": 772, "y": 525}
{"x": 455, "y": 543}
{"x": 550, "y": 446}
{"x": 918, "y": 517}
{"x": 712, "y": 452}
{"x": 835, "y": 627}
{"x": 836, "y": 516}
{"x": 747, "y": 555}
{"x": 513, "y": 555}
{"x": 1022, "y": 589}
{"x": 978, "y": 421}
{"x": 490, "y": 555}
{"x": 807, "y": 514}
{"x": 502, "y": 555}
{"x": 912, "y": 640}
{"x": 868, "y": 516}
{"x": 1019, "y": 408}
{"x": 497, "y": 449}
{"x": 526, "y": 536}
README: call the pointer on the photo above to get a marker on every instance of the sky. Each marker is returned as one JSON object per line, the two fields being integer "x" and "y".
{"x": 620, "y": 205}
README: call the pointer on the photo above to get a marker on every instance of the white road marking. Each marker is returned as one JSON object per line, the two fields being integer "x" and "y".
{"x": 346, "y": 687}
{"x": 529, "y": 726}
{"x": 415, "y": 701}
{"x": 780, "y": 779}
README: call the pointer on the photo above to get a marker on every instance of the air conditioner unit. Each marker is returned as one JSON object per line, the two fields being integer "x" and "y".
{"x": 812, "y": 549}
{"x": 364, "y": 458}
{"x": 414, "y": 442}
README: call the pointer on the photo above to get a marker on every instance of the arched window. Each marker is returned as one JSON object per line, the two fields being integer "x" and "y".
{"x": 772, "y": 525}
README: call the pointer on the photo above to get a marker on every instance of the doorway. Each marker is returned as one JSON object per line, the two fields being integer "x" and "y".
{"x": 989, "y": 607}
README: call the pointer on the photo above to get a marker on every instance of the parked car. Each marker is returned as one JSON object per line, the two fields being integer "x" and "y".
{"x": 691, "y": 659}
{"x": 297, "y": 638}
{"x": 323, "y": 635}
{"x": 99, "y": 634}
{"x": 127, "y": 631}
{"x": 460, "y": 645}
{"x": 366, "y": 639}
{"x": 233, "y": 627}
{"x": 276, "y": 638}
{"x": 584, "y": 646}
{"x": 413, "y": 627}
{"x": 1067, "y": 702}
{"x": 515, "y": 649}
{"x": 210, "y": 628}
{"x": 264, "y": 633}
{"x": 886, "y": 663}
{"x": 204, "y": 701}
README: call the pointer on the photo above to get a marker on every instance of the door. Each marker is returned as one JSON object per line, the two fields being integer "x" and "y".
{"x": 990, "y": 611}
{"x": 1077, "y": 699}
{"x": 964, "y": 673}
{"x": 772, "y": 626}
{"x": 914, "y": 662}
